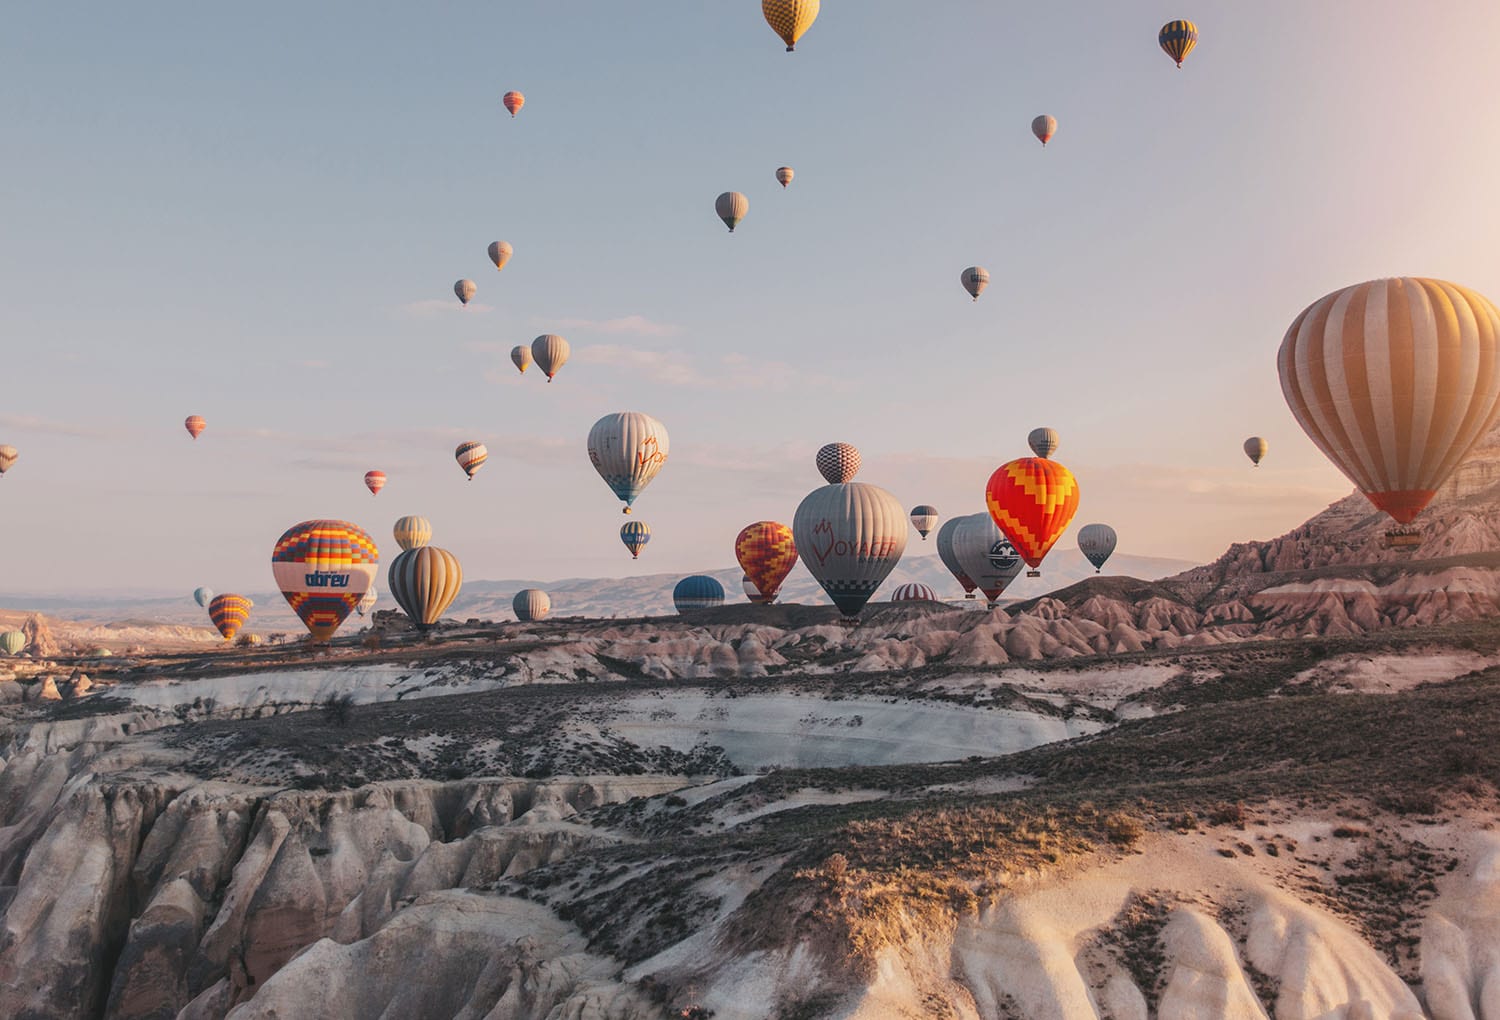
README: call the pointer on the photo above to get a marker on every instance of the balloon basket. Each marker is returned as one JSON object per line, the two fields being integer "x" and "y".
{"x": 969, "y": 596}
{"x": 1033, "y": 573}
{"x": 1403, "y": 538}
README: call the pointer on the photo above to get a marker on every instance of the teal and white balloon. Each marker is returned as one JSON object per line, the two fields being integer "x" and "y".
{"x": 203, "y": 596}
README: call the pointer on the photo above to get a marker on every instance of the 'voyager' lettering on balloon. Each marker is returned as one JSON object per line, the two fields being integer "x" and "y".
{"x": 866, "y": 549}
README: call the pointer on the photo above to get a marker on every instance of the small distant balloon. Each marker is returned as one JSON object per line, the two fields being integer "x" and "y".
{"x": 202, "y": 596}
{"x": 520, "y": 356}
{"x": 8, "y": 457}
{"x": 531, "y": 604}
{"x": 195, "y": 425}
{"x": 368, "y": 602}
{"x": 784, "y": 175}
{"x": 375, "y": 481}
{"x": 465, "y": 290}
{"x": 500, "y": 253}
{"x": 412, "y": 532}
{"x": 731, "y": 207}
{"x": 1177, "y": 39}
{"x": 789, "y": 18}
{"x": 229, "y": 613}
{"x": 12, "y": 642}
{"x": 1097, "y": 543}
{"x": 635, "y": 535}
{"x": 1044, "y": 127}
{"x": 513, "y": 102}
{"x": 924, "y": 518}
{"x": 1255, "y": 449}
{"x": 471, "y": 457}
{"x": 838, "y": 463}
{"x": 1043, "y": 441}
{"x": 975, "y": 279}
{"x": 549, "y": 351}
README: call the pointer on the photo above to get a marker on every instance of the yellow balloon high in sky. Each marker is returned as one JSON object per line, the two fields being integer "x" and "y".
{"x": 1395, "y": 380}
{"x": 790, "y": 18}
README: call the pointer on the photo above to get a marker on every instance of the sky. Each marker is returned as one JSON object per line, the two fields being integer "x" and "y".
{"x": 257, "y": 214}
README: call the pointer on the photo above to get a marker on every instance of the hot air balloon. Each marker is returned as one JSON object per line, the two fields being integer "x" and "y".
{"x": 8, "y": 455}
{"x": 12, "y": 642}
{"x": 628, "y": 449}
{"x": 784, "y": 175}
{"x": 697, "y": 592}
{"x": 731, "y": 207}
{"x": 521, "y": 356}
{"x": 1044, "y": 127}
{"x": 202, "y": 596}
{"x": 424, "y": 582}
{"x": 1032, "y": 500}
{"x": 471, "y": 457}
{"x": 531, "y": 604}
{"x": 838, "y": 462}
{"x": 229, "y": 613}
{"x": 500, "y": 253}
{"x": 1097, "y": 542}
{"x": 851, "y": 536}
{"x": 1177, "y": 39}
{"x": 412, "y": 532}
{"x": 1395, "y": 381}
{"x": 465, "y": 290}
{"x": 513, "y": 102}
{"x": 195, "y": 425}
{"x": 924, "y": 518}
{"x": 789, "y": 18}
{"x": 1255, "y": 449}
{"x": 752, "y": 592}
{"x": 1043, "y": 441}
{"x": 368, "y": 602}
{"x": 950, "y": 560}
{"x": 549, "y": 351}
{"x": 324, "y": 568}
{"x": 975, "y": 279}
{"x": 766, "y": 553}
{"x": 635, "y": 535}
{"x": 913, "y": 591}
{"x": 375, "y": 481}
{"x": 986, "y": 555}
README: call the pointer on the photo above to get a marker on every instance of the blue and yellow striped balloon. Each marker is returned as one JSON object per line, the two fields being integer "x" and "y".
{"x": 635, "y": 535}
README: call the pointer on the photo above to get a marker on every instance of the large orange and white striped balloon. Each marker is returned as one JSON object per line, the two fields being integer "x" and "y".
{"x": 1395, "y": 380}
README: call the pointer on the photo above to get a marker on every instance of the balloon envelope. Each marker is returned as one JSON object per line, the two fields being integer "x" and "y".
{"x": 1177, "y": 39}
{"x": 1097, "y": 543}
{"x": 766, "y": 552}
{"x": 751, "y": 591}
{"x": 195, "y": 425}
{"x": 784, "y": 175}
{"x": 513, "y": 102}
{"x": 471, "y": 457}
{"x": 838, "y": 462}
{"x": 950, "y": 559}
{"x": 975, "y": 279}
{"x": 1395, "y": 381}
{"x": 531, "y": 604}
{"x": 549, "y": 351}
{"x": 12, "y": 642}
{"x": 412, "y": 532}
{"x": 1043, "y": 441}
{"x": 913, "y": 591}
{"x": 1032, "y": 500}
{"x": 229, "y": 613}
{"x": 500, "y": 253}
{"x": 628, "y": 449}
{"x": 986, "y": 555}
{"x": 1044, "y": 127}
{"x": 323, "y": 568}
{"x": 697, "y": 592}
{"x": 375, "y": 481}
{"x": 424, "y": 582}
{"x": 1255, "y": 449}
{"x": 850, "y": 536}
{"x": 731, "y": 207}
{"x": 465, "y": 290}
{"x": 368, "y": 602}
{"x": 635, "y": 535}
{"x": 8, "y": 457}
{"x": 520, "y": 356}
{"x": 924, "y": 518}
{"x": 202, "y": 596}
{"x": 789, "y": 18}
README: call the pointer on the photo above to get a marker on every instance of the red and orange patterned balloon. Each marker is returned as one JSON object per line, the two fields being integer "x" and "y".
{"x": 229, "y": 613}
{"x": 1032, "y": 500}
{"x": 324, "y": 568}
{"x": 767, "y": 554}
{"x": 374, "y": 481}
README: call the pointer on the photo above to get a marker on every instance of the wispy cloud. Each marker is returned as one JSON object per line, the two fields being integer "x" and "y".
{"x": 442, "y": 306}
{"x": 634, "y": 325}
{"x": 671, "y": 368}
{"x": 31, "y": 423}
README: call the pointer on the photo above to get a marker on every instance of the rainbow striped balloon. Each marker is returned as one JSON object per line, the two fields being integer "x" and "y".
{"x": 323, "y": 568}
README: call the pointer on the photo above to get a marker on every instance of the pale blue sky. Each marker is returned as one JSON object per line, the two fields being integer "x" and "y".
{"x": 257, "y": 214}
